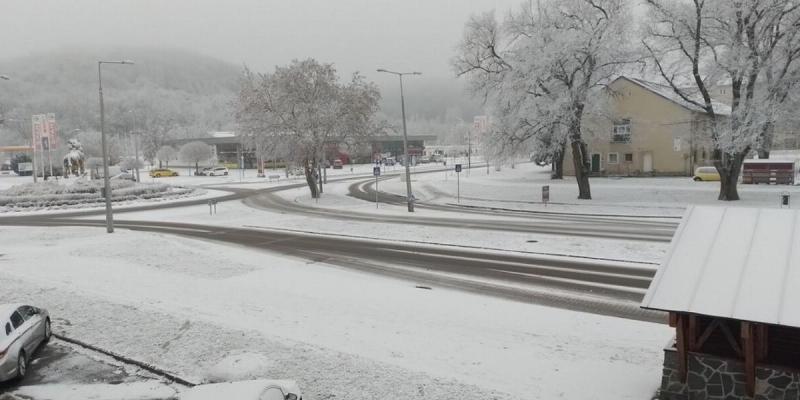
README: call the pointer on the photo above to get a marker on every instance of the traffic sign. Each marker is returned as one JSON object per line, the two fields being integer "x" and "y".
{"x": 458, "y": 167}
{"x": 376, "y": 171}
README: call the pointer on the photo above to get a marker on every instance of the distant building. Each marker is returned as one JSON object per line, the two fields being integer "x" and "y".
{"x": 229, "y": 148}
{"x": 650, "y": 131}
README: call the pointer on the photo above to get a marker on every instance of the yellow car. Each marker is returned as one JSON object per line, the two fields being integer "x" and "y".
{"x": 706, "y": 174}
{"x": 158, "y": 173}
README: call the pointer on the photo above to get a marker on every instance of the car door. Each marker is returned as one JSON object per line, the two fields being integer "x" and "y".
{"x": 21, "y": 331}
{"x": 33, "y": 322}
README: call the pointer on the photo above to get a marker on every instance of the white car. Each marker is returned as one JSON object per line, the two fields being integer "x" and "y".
{"x": 22, "y": 329}
{"x": 216, "y": 171}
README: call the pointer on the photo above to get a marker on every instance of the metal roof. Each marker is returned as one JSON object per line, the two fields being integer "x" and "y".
{"x": 668, "y": 93}
{"x": 730, "y": 262}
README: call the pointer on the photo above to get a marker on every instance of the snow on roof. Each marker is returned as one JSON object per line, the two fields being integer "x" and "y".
{"x": 668, "y": 93}
{"x": 739, "y": 263}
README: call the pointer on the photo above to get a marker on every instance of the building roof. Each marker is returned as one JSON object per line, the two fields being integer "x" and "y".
{"x": 668, "y": 93}
{"x": 738, "y": 263}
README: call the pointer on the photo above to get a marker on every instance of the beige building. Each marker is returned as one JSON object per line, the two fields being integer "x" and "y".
{"x": 649, "y": 131}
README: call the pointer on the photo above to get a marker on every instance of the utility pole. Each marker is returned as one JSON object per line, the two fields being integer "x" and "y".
{"x": 106, "y": 182}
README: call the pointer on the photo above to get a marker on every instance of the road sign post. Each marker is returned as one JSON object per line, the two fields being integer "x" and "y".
{"x": 458, "y": 182}
{"x": 545, "y": 194}
{"x": 377, "y": 172}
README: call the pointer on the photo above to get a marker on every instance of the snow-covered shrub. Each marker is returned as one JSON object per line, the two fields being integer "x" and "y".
{"x": 82, "y": 193}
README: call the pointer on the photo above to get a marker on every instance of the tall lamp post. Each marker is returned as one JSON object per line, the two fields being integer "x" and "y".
{"x": 409, "y": 196}
{"x": 106, "y": 182}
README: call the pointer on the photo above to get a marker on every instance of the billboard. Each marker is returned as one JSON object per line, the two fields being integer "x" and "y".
{"x": 45, "y": 133}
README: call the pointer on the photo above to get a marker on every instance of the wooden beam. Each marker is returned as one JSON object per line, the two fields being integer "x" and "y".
{"x": 707, "y": 333}
{"x": 692, "y": 334}
{"x": 731, "y": 339}
{"x": 680, "y": 343}
{"x": 673, "y": 319}
{"x": 762, "y": 347}
{"x": 748, "y": 344}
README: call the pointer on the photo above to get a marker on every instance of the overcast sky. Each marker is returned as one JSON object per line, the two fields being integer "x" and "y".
{"x": 354, "y": 34}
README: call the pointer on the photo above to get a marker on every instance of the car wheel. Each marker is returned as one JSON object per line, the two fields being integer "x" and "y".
{"x": 22, "y": 365}
{"x": 697, "y": 179}
{"x": 226, "y": 174}
{"x": 48, "y": 330}
{"x": 174, "y": 174}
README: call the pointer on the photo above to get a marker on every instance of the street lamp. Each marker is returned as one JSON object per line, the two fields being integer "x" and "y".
{"x": 409, "y": 196}
{"x": 106, "y": 182}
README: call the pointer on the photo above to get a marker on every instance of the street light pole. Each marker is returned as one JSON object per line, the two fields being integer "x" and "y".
{"x": 106, "y": 181}
{"x": 409, "y": 195}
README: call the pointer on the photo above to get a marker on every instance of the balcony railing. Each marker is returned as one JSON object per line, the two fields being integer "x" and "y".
{"x": 621, "y": 138}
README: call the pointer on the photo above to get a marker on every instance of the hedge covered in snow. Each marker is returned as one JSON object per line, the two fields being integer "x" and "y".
{"x": 82, "y": 193}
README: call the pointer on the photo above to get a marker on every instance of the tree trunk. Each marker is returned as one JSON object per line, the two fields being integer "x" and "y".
{"x": 558, "y": 165}
{"x": 729, "y": 175}
{"x": 310, "y": 170}
{"x": 196, "y": 168}
{"x": 580, "y": 161}
{"x": 159, "y": 163}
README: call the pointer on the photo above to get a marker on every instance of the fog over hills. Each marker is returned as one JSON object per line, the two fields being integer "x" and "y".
{"x": 179, "y": 93}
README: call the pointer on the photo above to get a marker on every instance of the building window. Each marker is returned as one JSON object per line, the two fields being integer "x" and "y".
{"x": 628, "y": 157}
{"x": 613, "y": 158}
{"x": 621, "y": 132}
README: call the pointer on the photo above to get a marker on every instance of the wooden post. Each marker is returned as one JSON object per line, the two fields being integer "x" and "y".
{"x": 748, "y": 344}
{"x": 762, "y": 349}
{"x": 680, "y": 343}
{"x": 692, "y": 340}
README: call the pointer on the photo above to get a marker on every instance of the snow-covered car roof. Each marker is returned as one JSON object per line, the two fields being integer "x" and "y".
{"x": 7, "y": 309}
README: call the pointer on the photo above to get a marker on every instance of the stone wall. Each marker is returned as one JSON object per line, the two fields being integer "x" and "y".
{"x": 715, "y": 378}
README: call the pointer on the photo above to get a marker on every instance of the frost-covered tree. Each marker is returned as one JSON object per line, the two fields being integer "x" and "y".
{"x": 539, "y": 68}
{"x": 752, "y": 46}
{"x": 304, "y": 106}
{"x": 92, "y": 146}
{"x": 165, "y": 154}
{"x": 196, "y": 152}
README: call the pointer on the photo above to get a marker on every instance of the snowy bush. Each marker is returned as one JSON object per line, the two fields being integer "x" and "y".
{"x": 82, "y": 193}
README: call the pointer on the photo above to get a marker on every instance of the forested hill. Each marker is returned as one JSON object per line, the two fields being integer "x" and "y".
{"x": 172, "y": 92}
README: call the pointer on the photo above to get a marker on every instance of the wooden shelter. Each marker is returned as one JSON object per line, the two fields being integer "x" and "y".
{"x": 730, "y": 285}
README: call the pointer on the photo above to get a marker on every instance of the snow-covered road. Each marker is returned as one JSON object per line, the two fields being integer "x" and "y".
{"x": 186, "y": 305}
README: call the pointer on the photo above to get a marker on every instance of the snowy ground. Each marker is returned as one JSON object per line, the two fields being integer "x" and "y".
{"x": 191, "y": 305}
{"x": 521, "y": 188}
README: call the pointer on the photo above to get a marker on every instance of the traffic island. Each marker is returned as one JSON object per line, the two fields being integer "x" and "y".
{"x": 83, "y": 193}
